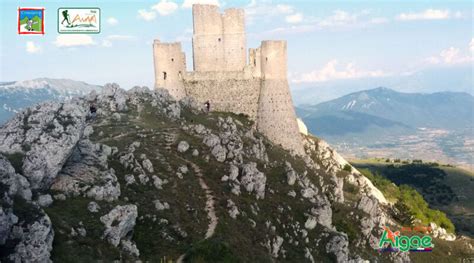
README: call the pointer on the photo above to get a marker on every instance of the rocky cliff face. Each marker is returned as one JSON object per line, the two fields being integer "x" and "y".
{"x": 151, "y": 178}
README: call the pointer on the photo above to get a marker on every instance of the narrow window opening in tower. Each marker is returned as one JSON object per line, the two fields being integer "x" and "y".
{"x": 254, "y": 62}
{"x": 266, "y": 58}
{"x": 164, "y": 75}
{"x": 219, "y": 39}
{"x": 172, "y": 59}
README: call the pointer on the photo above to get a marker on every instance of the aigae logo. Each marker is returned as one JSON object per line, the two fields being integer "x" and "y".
{"x": 394, "y": 242}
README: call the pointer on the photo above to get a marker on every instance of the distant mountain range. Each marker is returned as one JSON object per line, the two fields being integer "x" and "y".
{"x": 14, "y": 96}
{"x": 455, "y": 79}
{"x": 383, "y": 108}
{"x": 385, "y": 123}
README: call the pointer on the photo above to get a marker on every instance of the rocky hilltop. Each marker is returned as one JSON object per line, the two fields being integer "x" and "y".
{"x": 150, "y": 178}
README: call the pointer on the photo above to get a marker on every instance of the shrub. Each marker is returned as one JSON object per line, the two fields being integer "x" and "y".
{"x": 347, "y": 167}
{"x": 211, "y": 250}
{"x": 409, "y": 203}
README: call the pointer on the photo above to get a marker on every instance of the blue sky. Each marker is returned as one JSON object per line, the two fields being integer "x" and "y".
{"x": 327, "y": 40}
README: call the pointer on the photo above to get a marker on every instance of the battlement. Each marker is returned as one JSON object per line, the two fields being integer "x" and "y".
{"x": 222, "y": 75}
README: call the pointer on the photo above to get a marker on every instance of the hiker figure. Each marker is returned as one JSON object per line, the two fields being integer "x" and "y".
{"x": 29, "y": 24}
{"x": 65, "y": 17}
{"x": 208, "y": 106}
{"x": 93, "y": 111}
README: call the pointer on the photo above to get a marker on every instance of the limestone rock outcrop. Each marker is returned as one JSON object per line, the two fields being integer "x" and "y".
{"x": 119, "y": 222}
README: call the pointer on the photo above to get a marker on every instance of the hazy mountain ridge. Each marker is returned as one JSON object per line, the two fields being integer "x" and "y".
{"x": 385, "y": 123}
{"x": 455, "y": 79}
{"x": 450, "y": 110}
{"x": 17, "y": 95}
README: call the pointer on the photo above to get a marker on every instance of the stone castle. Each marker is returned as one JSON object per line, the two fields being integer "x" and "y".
{"x": 222, "y": 75}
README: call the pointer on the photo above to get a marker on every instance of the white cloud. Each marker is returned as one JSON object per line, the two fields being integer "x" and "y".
{"x": 266, "y": 11}
{"x": 120, "y": 37}
{"x": 338, "y": 19}
{"x": 378, "y": 20}
{"x": 428, "y": 14}
{"x": 165, "y": 7}
{"x": 190, "y": 3}
{"x": 331, "y": 71}
{"x": 73, "y": 40}
{"x": 31, "y": 47}
{"x": 451, "y": 56}
{"x": 112, "y": 21}
{"x": 471, "y": 45}
{"x": 108, "y": 41}
{"x": 294, "y": 19}
{"x": 285, "y": 9}
{"x": 146, "y": 15}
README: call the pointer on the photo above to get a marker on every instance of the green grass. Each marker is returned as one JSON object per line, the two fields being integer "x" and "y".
{"x": 410, "y": 199}
{"x": 211, "y": 250}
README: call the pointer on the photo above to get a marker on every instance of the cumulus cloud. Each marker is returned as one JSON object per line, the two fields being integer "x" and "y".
{"x": 338, "y": 19}
{"x": 112, "y": 21}
{"x": 451, "y": 56}
{"x": 146, "y": 15}
{"x": 31, "y": 47}
{"x": 266, "y": 11}
{"x": 285, "y": 9}
{"x": 108, "y": 40}
{"x": 332, "y": 71}
{"x": 428, "y": 14}
{"x": 294, "y": 18}
{"x": 73, "y": 40}
{"x": 165, "y": 7}
{"x": 190, "y": 3}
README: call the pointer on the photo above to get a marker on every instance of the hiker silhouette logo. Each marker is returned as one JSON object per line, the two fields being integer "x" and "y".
{"x": 30, "y": 20}
{"x": 78, "y": 20}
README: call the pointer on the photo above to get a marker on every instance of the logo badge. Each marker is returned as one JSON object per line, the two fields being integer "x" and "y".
{"x": 395, "y": 241}
{"x": 79, "y": 20}
{"x": 30, "y": 20}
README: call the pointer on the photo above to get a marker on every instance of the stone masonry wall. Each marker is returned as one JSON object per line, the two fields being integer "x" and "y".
{"x": 170, "y": 65}
{"x": 221, "y": 74}
{"x": 276, "y": 117}
{"x": 235, "y": 91}
{"x": 219, "y": 39}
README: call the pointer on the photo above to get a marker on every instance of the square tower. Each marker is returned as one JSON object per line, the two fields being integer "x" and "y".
{"x": 219, "y": 42}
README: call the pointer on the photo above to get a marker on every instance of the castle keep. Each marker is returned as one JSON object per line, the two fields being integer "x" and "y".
{"x": 221, "y": 74}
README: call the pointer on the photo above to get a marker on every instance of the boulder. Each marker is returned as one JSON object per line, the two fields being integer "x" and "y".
{"x": 290, "y": 174}
{"x": 36, "y": 242}
{"x": 253, "y": 180}
{"x": 93, "y": 207}
{"x": 119, "y": 222}
{"x": 7, "y": 220}
{"x": 183, "y": 146}
{"x": 45, "y": 200}
{"x": 338, "y": 245}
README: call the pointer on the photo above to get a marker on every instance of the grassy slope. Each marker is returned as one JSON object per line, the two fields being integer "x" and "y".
{"x": 448, "y": 189}
{"x": 234, "y": 240}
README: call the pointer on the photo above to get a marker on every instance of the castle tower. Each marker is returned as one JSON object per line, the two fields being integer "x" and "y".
{"x": 219, "y": 39}
{"x": 255, "y": 62}
{"x": 170, "y": 65}
{"x": 276, "y": 116}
